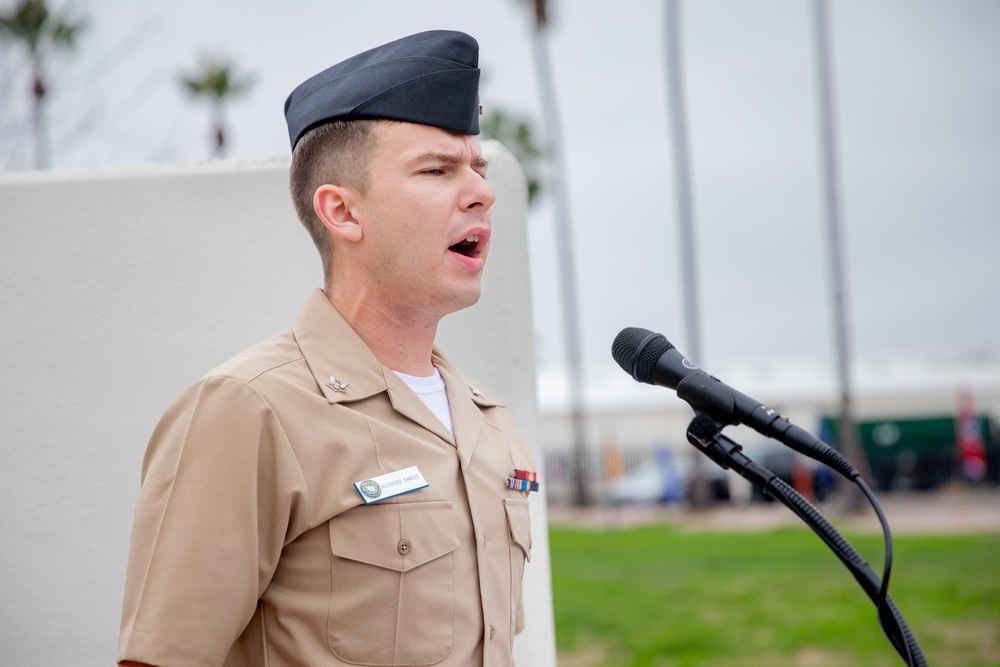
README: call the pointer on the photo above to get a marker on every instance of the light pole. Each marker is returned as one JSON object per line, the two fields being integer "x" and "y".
{"x": 846, "y": 429}
{"x": 698, "y": 493}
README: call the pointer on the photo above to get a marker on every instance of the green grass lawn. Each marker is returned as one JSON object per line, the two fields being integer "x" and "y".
{"x": 658, "y": 596}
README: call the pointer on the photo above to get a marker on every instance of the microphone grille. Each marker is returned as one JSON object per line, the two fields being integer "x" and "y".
{"x": 637, "y": 350}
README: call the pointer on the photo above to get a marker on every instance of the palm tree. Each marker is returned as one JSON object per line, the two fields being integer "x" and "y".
{"x": 32, "y": 23}
{"x": 698, "y": 491}
{"x": 567, "y": 270}
{"x": 517, "y": 134}
{"x": 216, "y": 81}
{"x": 847, "y": 429}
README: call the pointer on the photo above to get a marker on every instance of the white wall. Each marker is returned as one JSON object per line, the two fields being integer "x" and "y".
{"x": 117, "y": 290}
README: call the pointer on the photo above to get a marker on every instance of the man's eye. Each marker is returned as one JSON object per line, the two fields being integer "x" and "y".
{"x": 433, "y": 172}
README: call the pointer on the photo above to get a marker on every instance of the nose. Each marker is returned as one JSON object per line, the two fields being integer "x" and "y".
{"x": 480, "y": 194}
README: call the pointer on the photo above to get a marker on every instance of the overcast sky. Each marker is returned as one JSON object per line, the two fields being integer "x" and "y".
{"x": 917, "y": 103}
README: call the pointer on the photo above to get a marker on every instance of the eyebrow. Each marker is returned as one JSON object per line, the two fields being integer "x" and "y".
{"x": 478, "y": 162}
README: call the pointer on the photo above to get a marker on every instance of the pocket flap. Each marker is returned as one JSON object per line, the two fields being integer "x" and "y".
{"x": 373, "y": 533}
{"x": 519, "y": 522}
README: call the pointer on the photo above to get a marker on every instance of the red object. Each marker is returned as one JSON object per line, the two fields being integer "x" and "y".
{"x": 971, "y": 449}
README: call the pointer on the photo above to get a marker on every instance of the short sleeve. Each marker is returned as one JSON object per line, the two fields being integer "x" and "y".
{"x": 221, "y": 494}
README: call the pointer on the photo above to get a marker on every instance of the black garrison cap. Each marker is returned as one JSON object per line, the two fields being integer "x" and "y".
{"x": 431, "y": 78}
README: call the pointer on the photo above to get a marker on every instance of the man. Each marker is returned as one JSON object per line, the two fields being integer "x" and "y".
{"x": 339, "y": 494}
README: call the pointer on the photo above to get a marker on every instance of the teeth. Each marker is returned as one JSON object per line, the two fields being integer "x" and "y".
{"x": 473, "y": 238}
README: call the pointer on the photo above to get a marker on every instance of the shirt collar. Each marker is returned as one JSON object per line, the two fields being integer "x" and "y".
{"x": 343, "y": 366}
{"x": 336, "y": 355}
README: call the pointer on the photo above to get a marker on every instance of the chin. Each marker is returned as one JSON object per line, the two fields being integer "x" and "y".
{"x": 463, "y": 301}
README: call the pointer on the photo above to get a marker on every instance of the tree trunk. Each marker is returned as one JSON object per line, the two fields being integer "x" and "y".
{"x": 567, "y": 270}
{"x": 38, "y": 90}
{"x": 219, "y": 131}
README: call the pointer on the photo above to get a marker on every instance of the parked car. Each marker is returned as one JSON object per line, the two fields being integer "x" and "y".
{"x": 652, "y": 483}
{"x": 781, "y": 461}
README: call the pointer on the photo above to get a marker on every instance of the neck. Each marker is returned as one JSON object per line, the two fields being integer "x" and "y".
{"x": 399, "y": 338}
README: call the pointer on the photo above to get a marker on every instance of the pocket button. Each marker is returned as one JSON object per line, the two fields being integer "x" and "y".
{"x": 403, "y": 547}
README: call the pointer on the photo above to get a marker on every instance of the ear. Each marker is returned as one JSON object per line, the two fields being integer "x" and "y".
{"x": 334, "y": 205}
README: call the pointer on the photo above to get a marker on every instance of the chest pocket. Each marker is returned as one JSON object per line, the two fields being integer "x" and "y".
{"x": 393, "y": 588}
{"x": 519, "y": 523}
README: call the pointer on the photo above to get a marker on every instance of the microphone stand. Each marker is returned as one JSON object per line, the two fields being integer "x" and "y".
{"x": 705, "y": 433}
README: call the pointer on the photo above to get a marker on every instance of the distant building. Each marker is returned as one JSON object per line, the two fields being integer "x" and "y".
{"x": 632, "y": 426}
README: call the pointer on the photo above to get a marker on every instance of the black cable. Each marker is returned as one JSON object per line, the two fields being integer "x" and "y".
{"x": 883, "y": 593}
{"x": 890, "y": 618}
{"x": 704, "y": 433}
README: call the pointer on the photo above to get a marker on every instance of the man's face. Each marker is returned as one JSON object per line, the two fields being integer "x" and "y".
{"x": 426, "y": 219}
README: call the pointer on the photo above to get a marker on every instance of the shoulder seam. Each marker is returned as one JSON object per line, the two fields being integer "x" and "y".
{"x": 248, "y": 379}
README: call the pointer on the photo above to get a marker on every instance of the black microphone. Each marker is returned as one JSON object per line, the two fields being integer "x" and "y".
{"x": 649, "y": 357}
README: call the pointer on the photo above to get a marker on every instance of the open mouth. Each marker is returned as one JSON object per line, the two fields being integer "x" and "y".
{"x": 467, "y": 246}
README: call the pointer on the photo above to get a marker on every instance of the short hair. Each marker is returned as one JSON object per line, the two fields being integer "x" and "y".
{"x": 337, "y": 153}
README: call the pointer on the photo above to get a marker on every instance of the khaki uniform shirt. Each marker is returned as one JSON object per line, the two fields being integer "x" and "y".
{"x": 251, "y": 545}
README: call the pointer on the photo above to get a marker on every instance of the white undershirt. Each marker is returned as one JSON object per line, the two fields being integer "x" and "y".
{"x": 433, "y": 392}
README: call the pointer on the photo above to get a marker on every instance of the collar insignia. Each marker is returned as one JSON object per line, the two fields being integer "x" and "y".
{"x": 337, "y": 385}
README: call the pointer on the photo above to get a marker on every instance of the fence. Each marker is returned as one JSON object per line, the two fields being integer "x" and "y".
{"x": 628, "y": 474}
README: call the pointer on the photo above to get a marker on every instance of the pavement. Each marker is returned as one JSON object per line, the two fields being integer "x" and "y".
{"x": 951, "y": 510}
